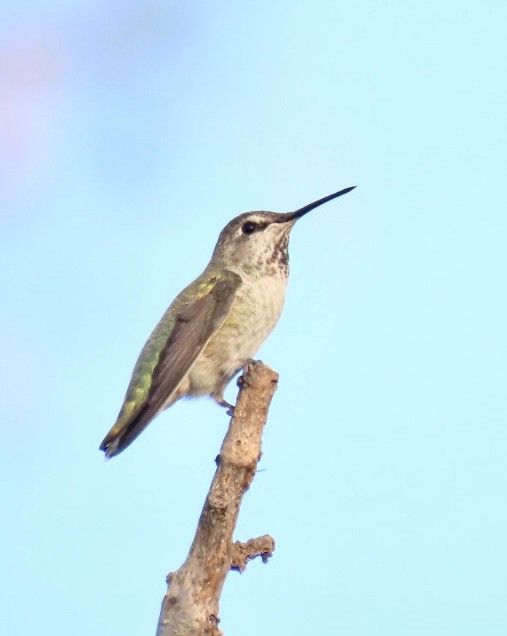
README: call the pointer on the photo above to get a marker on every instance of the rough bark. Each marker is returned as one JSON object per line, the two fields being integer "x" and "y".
{"x": 190, "y": 606}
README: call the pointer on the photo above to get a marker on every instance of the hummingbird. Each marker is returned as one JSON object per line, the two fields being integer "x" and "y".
{"x": 215, "y": 324}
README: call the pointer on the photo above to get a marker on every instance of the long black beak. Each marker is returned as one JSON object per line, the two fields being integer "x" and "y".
{"x": 293, "y": 216}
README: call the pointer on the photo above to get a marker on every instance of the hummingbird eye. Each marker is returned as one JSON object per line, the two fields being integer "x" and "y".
{"x": 249, "y": 227}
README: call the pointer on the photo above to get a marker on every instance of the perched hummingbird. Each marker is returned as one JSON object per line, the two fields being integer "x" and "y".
{"x": 215, "y": 324}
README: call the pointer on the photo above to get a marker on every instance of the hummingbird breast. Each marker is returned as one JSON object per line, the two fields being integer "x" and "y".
{"x": 254, "y": 313}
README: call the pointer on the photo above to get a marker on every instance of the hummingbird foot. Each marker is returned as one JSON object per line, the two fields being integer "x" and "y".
{"x": 241, "y": 381}
{"x": 221, "y": 401}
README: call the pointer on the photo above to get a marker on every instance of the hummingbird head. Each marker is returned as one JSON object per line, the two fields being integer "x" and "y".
{"x": 257, "y": 242}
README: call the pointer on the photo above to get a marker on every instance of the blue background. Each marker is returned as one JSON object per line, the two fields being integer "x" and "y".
{"x": 130, "y": 133}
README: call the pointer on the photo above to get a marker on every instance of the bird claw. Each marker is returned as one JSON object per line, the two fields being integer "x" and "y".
{"x": 224, "y": 404}
{"x": 241, "y": 381}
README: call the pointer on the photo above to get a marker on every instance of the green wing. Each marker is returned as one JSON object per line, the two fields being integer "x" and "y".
{"x": 170, "y": 353}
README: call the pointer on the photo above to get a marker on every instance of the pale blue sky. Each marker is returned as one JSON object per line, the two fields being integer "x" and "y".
{"x": 129, "y": 135}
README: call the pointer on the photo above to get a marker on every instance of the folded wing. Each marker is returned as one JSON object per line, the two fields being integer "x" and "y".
{"x": 193, "y": 326}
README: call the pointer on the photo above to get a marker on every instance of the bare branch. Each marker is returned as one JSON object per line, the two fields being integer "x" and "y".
{"x": 243, "y": 552}
{"x": 190, "y": 606}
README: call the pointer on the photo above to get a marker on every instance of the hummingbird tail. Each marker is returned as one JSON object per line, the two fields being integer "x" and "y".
{"x": 123, "y": 434}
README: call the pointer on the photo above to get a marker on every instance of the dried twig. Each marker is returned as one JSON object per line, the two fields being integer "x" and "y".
{"x": 190, "y": 606}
